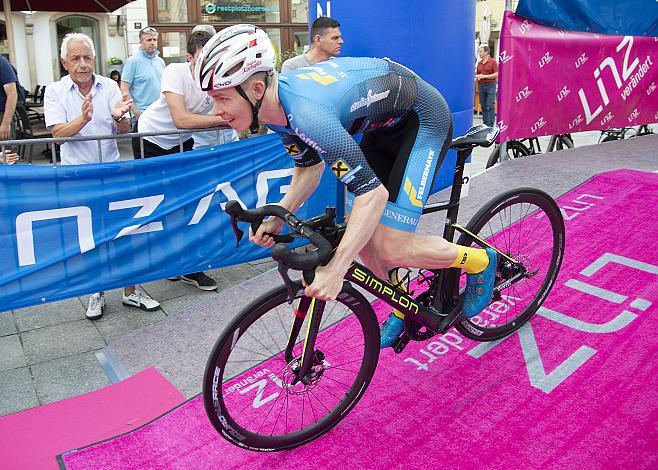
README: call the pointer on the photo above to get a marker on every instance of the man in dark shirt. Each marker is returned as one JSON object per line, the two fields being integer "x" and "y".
{"x": 487, "y": 76}
{"x": 8, "y": 98}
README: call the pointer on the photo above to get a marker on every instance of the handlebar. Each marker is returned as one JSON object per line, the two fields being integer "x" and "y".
{"x": 280, "y": 252}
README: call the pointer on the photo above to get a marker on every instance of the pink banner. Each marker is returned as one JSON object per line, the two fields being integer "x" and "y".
{"x": 555, "y": 82}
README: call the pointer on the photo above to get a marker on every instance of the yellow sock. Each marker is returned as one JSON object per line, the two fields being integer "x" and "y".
{"x": 471, "y": 260}
{"x": 395, "y": 280}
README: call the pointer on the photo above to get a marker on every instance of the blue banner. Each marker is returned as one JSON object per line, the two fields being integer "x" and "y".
{"x": 72, "y": 230}
{"x": 621, "y": 17}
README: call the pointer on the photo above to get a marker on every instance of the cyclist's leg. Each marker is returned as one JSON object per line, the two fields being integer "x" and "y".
{"x": 417, "y": 158}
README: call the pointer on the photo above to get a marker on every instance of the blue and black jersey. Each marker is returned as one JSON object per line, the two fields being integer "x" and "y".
{"x": 406, "y": 124}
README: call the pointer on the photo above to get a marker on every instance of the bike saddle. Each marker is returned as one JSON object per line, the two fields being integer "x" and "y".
{"x": 479, "y": 135}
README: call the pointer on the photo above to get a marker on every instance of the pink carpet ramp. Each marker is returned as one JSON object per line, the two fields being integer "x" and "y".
{"x": 576, "y": 388}
{"x": 32, "y": 439}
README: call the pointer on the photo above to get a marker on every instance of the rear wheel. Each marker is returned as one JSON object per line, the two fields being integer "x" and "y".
{"x": 250, "y": 390}
{"x": 525, "y": 224}
{"x": 515, "y": 149}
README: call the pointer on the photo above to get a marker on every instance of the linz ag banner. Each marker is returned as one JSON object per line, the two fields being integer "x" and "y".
{"x": 554, "y": 81}
{"x": 73, "y": 230}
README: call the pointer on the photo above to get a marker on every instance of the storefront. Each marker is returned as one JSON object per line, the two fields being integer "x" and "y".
{"x": 285, "y": 21}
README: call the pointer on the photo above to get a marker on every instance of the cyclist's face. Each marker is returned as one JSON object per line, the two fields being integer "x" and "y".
{"x": 232, "y": 107}
{"x": 330, "y": 42}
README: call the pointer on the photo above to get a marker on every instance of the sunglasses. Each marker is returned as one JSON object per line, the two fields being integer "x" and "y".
{"x": 148, "y": 30}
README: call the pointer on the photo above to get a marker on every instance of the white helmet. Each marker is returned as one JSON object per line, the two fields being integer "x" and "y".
{"x": 243, "y": 45}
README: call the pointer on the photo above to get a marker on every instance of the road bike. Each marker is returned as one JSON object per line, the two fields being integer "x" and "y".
{"x": 610, "y": 135}
{"x": 288, "y": 368}
{"x": 529, "y": 146}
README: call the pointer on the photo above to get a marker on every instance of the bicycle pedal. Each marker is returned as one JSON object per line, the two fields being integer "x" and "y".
{"x": 401, "y": 343}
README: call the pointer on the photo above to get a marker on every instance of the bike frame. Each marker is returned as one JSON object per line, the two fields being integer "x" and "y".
{"x": 444, "y": 287}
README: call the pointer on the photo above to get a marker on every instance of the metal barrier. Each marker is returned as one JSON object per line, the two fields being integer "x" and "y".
{"x": 62, "y": 140}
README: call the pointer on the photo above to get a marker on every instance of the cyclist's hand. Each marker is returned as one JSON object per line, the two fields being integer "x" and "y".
{"x": 263, "y": 236}
{"x": 326, "y": 285}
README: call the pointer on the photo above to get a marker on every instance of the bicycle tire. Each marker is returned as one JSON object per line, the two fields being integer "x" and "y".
{"x": 507, "y": 222}
{"x": 644, "y": 130}
{"x": 515, "y": 149}
{"x": 610, "y": 138}
{"x": 241, "y": 431}
{"x": 564, "y": 141}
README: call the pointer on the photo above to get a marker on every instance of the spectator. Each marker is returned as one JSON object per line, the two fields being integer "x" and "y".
{"x": 181, "y": 105}
{"x": 10, "y": 157}
{"x": 83, "y": 103}
{"x": 8, "y": 99}
{"x": 116, "y": 76}
{"x": 211, "y": 138}
{"x": 326, "y": 41}
{"x": 487, "y": 76}
{"x": 141, "y": 77}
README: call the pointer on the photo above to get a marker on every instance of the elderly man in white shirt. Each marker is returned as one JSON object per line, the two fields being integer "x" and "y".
{"x": 85, "y": 104}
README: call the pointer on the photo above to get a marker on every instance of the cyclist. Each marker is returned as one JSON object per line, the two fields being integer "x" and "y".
{"x": 407, "y": 129}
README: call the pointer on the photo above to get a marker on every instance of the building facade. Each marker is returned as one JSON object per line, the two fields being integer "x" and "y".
{"x": 38, "y": 35}
{"x": 285, "y": 21}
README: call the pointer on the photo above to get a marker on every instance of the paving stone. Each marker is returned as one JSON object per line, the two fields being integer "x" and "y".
{"x": 62, "y": 340}
{"x": 180, "y": 304}
{"x": 52, "y": 313}
{"x": 11, "y": 353}
{"x": 17, "y": 391}
{"x": 7, "y": 324}
{"x": 68, "y": 377}
{"x": 165, "y": 289}
{"x": 120, "y": 320}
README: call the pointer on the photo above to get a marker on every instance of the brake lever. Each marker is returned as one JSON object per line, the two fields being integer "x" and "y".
{"x": 290, "y": 287}
{"x": 236, "y": 231}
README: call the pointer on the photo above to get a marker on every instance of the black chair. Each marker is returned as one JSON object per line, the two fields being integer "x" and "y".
{"x": 32, "y": 97}
{"x": 27, "y": 130}
{"x": 35, "y": 105}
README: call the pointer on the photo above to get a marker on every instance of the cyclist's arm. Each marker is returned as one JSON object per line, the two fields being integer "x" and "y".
{"x": 364, "y": 219}
{"x": 184, "y": 119}
{"x": 305, "y": 180}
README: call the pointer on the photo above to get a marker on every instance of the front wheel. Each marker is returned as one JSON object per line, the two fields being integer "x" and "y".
{"x": 527, "y": 225}
{"x": 250, "y": 391}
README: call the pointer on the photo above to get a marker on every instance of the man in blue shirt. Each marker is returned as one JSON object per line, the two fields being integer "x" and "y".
{"x": 8, "y": 97}
{"x": 141, "y": 77}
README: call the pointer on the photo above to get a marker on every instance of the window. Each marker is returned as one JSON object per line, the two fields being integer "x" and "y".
{"x": 76, "y": 24}
{"x": 299, "y": 11}
{"x": 172, "y": 11}
{"x": 173, "y": 47}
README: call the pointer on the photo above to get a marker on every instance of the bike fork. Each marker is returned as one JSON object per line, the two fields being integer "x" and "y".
{"x": 314, "y": 309}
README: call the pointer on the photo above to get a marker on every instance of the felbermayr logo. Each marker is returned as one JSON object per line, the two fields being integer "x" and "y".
{"x": 368, "y": 100}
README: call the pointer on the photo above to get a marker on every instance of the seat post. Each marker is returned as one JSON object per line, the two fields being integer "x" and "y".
{"x": 455, "y": 193}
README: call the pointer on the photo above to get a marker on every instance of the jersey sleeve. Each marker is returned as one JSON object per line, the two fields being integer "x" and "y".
{"x": 319, "y": 127}
{"x": 302, "y": 154}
